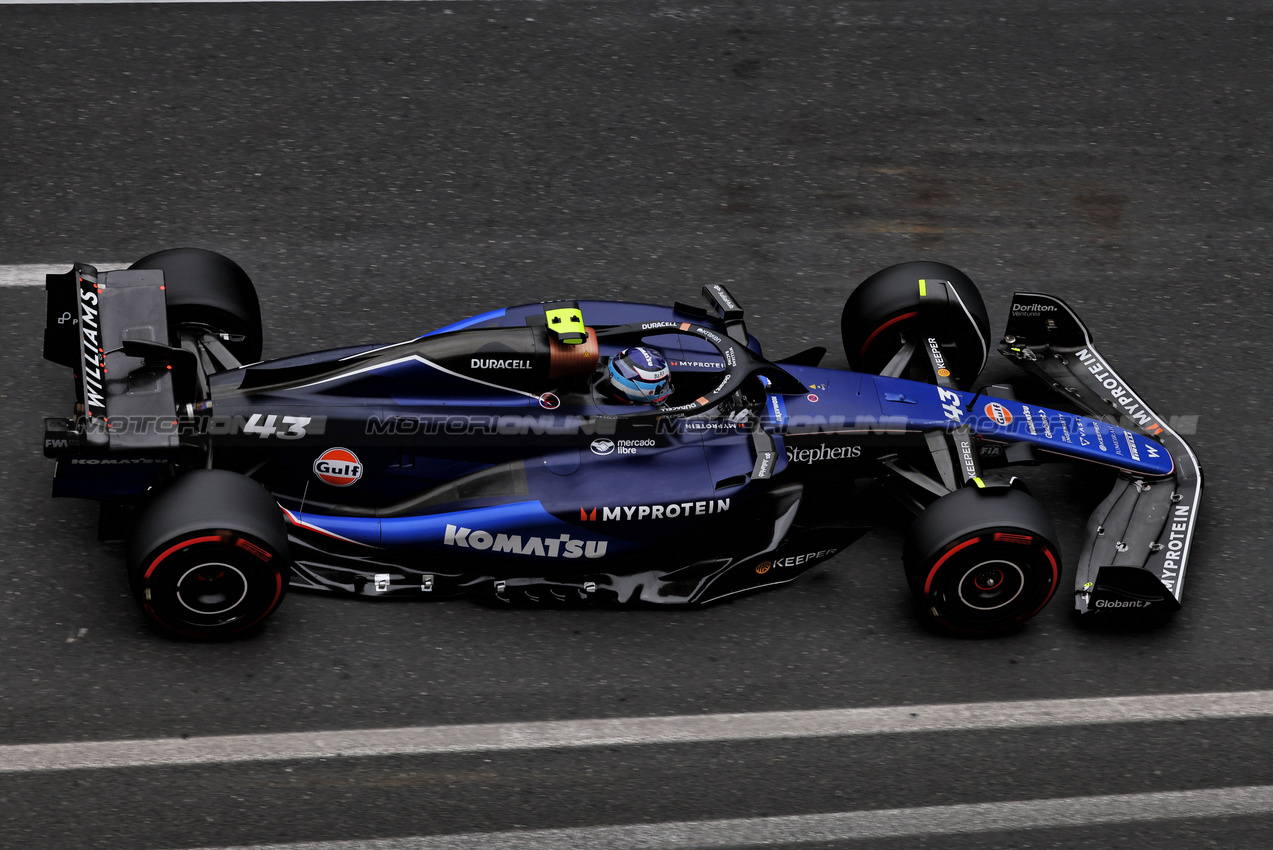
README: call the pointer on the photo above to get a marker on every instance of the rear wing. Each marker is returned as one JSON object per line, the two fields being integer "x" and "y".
{"x": 124, "y": 401}
{"x": 1137, "y": 544}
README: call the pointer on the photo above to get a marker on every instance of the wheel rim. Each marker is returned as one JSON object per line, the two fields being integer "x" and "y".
{"x": 212, "y": 588}
{"x": 991, "y": 585}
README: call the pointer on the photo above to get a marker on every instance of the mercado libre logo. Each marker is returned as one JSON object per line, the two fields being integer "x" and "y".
{"x": 338, "y": 467}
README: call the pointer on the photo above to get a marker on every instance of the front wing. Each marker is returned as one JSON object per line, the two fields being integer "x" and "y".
{"x": 1137, "y": 544}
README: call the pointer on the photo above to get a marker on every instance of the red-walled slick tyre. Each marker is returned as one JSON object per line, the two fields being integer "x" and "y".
{"x": 881, "y": 315}
{"x": 208, "y": 556}
{"x": 980, "y": 562}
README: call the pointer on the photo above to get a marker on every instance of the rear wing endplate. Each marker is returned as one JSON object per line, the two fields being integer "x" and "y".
{"x": 1137, "y": 544}
{"x": 127, "y": 403}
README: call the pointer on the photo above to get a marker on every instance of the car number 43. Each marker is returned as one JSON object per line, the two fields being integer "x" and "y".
{"x": 950, "y": 403}
{"x": 284, "y": 427}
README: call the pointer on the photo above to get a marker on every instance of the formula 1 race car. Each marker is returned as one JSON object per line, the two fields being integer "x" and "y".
{"x": 592, "y": 451}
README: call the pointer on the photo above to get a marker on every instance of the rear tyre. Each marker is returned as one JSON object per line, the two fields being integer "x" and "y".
{"x": 204, "y": 288}
{"x": 208, "y": 557}
{"x": 981, "y": 562}
{"x": 881, "y": 315}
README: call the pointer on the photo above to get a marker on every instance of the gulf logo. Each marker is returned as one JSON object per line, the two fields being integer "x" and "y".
{"x": 999, "y": 413}
{"x": 338, "y": 467}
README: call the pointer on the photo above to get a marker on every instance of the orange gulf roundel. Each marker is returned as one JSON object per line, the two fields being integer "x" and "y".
{"x": 338, "y": 467}
{"x": 999, "y": 413}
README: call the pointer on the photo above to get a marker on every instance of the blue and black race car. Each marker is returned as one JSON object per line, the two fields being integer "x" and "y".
{"x": 593, "y": 451}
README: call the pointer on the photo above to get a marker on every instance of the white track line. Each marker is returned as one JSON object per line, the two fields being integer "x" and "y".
{"x": 33, "y": 274}
{"x": 493, "y": 737}
{"x": 842, "y": 826}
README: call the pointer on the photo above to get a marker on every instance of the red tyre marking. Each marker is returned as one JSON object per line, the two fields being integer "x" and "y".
{"x": 1023, "y": 539}
{"x": 192, "y": 541}
{"x": 937, "y": 566}
{"x": 278, "y": 591}
{"x": 249, "y": 546}
{"x": 882, "y": 327}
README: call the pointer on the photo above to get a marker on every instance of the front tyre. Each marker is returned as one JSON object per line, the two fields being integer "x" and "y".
{"x": 982, "y": 562}
{"x": 208, "y": 557}
{"x": 882, "y": 315}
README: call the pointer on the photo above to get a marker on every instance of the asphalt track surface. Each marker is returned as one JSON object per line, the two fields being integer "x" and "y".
{"x": 381, "y": 170}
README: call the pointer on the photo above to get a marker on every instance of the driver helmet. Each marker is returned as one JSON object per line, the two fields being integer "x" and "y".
{"x": 640, "y": 375}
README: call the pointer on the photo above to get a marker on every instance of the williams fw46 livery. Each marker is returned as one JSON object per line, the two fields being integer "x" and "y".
{"x": 594, "y": 451}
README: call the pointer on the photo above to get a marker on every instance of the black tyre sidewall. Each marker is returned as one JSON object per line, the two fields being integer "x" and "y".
{"x": 969, "y": 533}
{"x": 206, "y": 288}
{"x": 209, "y": 516}
{"x": 877, "y": 312}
